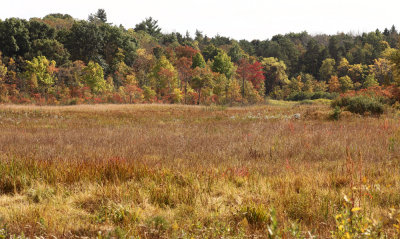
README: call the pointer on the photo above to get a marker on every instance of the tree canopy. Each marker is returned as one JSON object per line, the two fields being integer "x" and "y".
{"x": 63, "y": 58}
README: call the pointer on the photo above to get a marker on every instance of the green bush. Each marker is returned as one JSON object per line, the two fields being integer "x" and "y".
{"x": 336, "y": 113}
{"x": 256, "y": 216}
{"x": 360, "y": 104}
{"x": 299, "y": 96}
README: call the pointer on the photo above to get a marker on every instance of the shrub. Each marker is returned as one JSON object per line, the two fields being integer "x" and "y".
{"x": 352, "y": 223}
{"x": 256, "y": 216}
{"x": 299, "y": 96}
{"x": 158, "y": 223}
{"x": 360, "y": 104}
{"x": 336, "y": 113}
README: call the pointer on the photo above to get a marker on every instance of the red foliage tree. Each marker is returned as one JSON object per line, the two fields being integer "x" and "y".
{"x": 185, "y": 51}
{"x": 251, "y": 72}
{"x": 184, "y": 67}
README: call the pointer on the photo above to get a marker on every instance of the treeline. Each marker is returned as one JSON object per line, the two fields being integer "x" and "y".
{"x": 60, "y": 60}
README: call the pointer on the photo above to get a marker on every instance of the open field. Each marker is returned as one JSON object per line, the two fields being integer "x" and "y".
{"x": 170, "y": 171}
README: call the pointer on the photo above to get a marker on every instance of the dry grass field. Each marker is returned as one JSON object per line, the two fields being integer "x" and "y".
{"x": 170, "y": 171}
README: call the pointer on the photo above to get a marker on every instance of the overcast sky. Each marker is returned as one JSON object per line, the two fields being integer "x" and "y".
{"x": 239, "y": 19}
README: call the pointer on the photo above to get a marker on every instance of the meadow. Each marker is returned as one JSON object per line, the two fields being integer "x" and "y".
{"x": 175, "y": 171}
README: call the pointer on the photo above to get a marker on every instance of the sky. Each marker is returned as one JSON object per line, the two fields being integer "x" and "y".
{"x": 238, "y": 19}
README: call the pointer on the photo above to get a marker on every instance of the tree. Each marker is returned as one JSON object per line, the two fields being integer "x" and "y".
{"x": 3, "y": 75}
{"x": 275, "y": 73}
{"x": 310, "y": 83}
{"x": 395, "y": 59}
{"x": 84, "y": 42}
{"x": 14, "y": 37}
{"x": 370, "y": 81}
{"x": 184, "y": 67}
{"x": 39, "y": 30}
{"x": 283, "y": 48}
{"x": 116, "y": 41}
{"x": 382, "y": 70}
{"x": 311, "y": 58}
{"x": 345, "y": 83}
{"x": 3, "y": 70}
{"x": 198, "y": 36}
{"x": 210, "y": 52}
{"x": 198, "y": 61}
{"x": 51, "y": 49}
{"x": 41, "y": 73}
{"x": 334, "y": 84}
{"x": 343, "y": 67}
{"x": 164, "y": 76}
{"x": 251, "y": 72}
{"x": 220, "y": 84}
{"x": 222, "y": 64}
{"x": 93, "y": 76}
{"x": 236, "y": 53}
{"x": 295, "y": 85}
{"x": 202, "y": 77}
{"x": 99, "y": 16}
{"x": 327, "y": 69}
{"x": 150, "y": 26}
{"x": 358, "y": 72}
{"x": 70, "y": 74}
{"x": 58, "y": 21}
{"x": 334, "y": 48}
{"x": 233, "y": 91}
{"x": 185, "y": 51}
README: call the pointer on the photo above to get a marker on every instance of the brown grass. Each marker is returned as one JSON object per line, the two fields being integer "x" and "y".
{"x": 190, "y": 171}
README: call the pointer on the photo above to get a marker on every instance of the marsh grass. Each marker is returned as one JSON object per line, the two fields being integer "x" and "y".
{"x": 168, "y": 171}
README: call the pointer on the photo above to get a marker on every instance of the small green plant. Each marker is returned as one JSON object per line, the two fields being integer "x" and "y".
{"x": 117, "y": 214}
{"x": 336, "y": 113}
{"x": 3, "y": 233}
{"x": 40, "y": 192}
{"x": 256, "y": 216}
{"x": 159, "y": 223}
{"x": 295, "y": 231}
{"x": 352, "y": 223}
{"x": 273, "y": 228}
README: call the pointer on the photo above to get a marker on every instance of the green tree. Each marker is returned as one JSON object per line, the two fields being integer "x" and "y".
{"x": 93, "y": 76}
{"x": 395, "y": 59}
{"x": 210, "y": 52}
{"x": 3, "y": 70}
{"x": 84, "y": 42}
{"x": 150, "y": 26}
{"x": 41, "y": 73}
{"x": 114, "y": 42}
{"x": 222, "y": 64}
{"x": 343, "y": 67}
{"x": 40, "y": 30}
{"x": 51, "y": 49}
{"x": 236, "y": 53}
{"x": 3, "y": 75}
{"x": 370, "y": 81}
{"x": 275, "y": 73}
{"x": 295, "y": 85}
{"x": 198, "y": 61}
{"x": 327, "y": 69}
{"x": 334, "y": 48}
{"x": 14, "y": 37}
{"x": 311, "y": 57}
{"x": 100, "y": 16}
{"x": 345, "y": 83}
{"x": 358, "y": 72}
